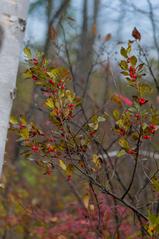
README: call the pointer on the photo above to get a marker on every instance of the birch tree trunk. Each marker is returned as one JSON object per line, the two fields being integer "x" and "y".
{"x": 12, "y": 27}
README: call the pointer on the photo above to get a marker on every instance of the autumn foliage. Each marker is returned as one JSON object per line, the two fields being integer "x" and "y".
{"x": 70, "y": 143}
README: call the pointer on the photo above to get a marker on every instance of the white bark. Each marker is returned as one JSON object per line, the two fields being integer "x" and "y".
{"x": 12, "y": 26}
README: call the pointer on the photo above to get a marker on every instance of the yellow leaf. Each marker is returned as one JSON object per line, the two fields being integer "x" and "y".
{"x": 13, "y": 120}
{"x": 145, "y": 89}
{"x": 70, "y": 95}
{"x": 69, "y": 170}
{"x": 155, "y": 183}
{"x": 91, "y": 206}
{"x": 86, "y": 200}
{"x": 94, "y": 126}
{"x": 116, "y": 114}
{"x": 24, "y": 133}
{"x": 59, "y": 73}
{"x": 27, "y": 52}
{"x": 23, "y": 120}
{"x": 62, "y": 165}
{"x": 49, "y": 102}
{"x": 123, "y": 143}
{"x": 151, "y": 229}
{"x": 100, "y": 119}
{"x": 96, "y": 160}
{"x": 27, "y": 74}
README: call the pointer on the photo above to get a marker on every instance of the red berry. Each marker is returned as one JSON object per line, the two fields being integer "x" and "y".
{"x": 21, "y": 126}
{"x": 69, "y": 177}
{"x": 122, "y": 131}
{"x": 152, "y": 126}
{"x": 35, "y": 61}
{"x": 51, "y": 82}
{"x": 131, "y": 151}
{"x": 152, "y": 131}
{"x": 142, "y": 101}
{"x": 49, "y": 171}
{"x": 34, "y": 77}
{"x": 55, "y": 91}
{"x": 71, "y": 106}
{"x": 35, "y": 148}
{"x": 138, "y": 116}
{"x": 92, "y": 133}
{"x": 51, "y": 139}
{"x": 146, "y": 137}
{"x": 62, "y": 87}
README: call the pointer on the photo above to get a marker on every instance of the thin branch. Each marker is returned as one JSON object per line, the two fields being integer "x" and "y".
{"x": 135, "y": 167}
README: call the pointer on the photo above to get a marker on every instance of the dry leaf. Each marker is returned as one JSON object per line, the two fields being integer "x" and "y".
{"x": 136, "y": 34}
{"x": 107, "y": 37}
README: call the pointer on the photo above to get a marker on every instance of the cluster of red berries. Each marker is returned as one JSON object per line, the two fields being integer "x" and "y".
{"x": 35, "y": 148}
{"x": 60, "y": 84}
{"x": 132, "y": 73}
{"x": 151, "y": 129}
{"x": 71, "y": 106}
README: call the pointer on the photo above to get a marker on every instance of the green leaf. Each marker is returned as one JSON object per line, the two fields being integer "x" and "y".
{"x": 121, "y": 153}
{"x": 123, "y": 52}
{"x": 132, "y": 109}
{"x": 144, "y": 126}
{"x": 153, "y": 218}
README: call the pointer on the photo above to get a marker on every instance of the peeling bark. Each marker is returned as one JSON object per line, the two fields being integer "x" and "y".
{"x": 12, "y": 26}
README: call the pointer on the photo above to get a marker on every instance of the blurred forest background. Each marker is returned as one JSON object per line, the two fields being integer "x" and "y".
{"x": 85, "y": 36}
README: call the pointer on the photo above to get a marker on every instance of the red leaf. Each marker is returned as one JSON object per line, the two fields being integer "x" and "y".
{"x": 136, "y": 34}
